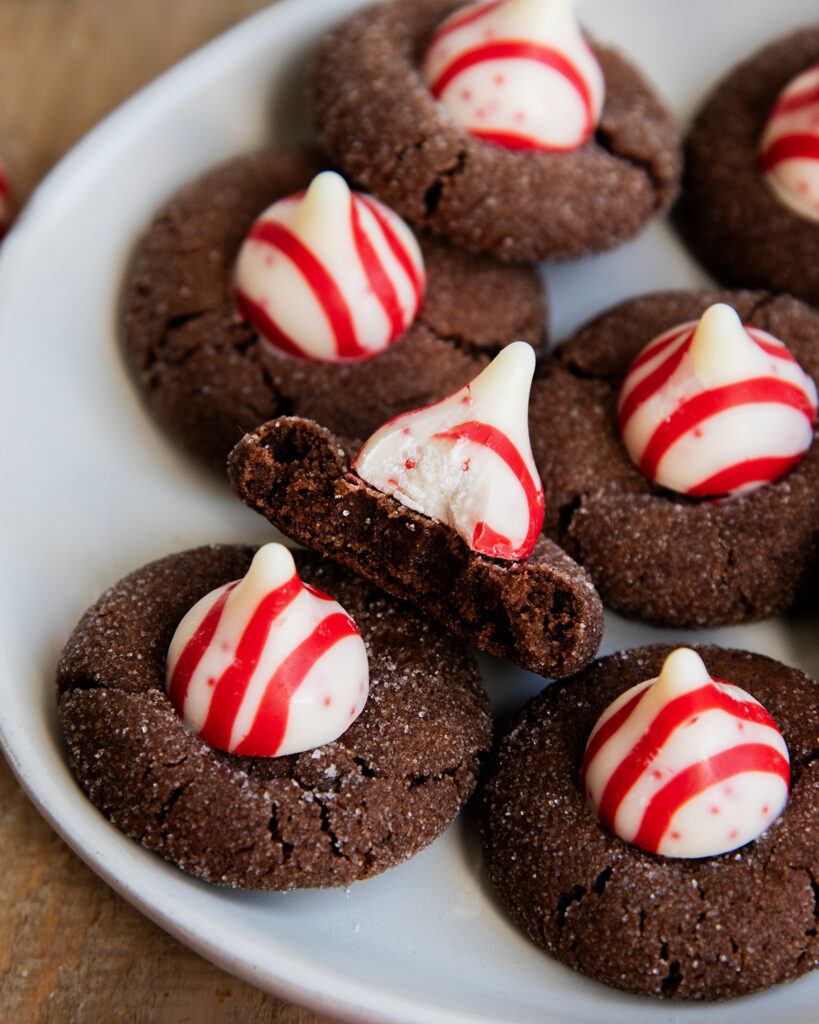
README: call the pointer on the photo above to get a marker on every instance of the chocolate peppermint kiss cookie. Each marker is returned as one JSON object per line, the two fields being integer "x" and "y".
{"x": 633, "y": 822}
{"x": 441, "y": 506}
{"x": 674, "y": 435}
{"x": 215, "y": 708}
{"x": 495, "y": 125}
{"x": 750, "y": 201}
{"x": 265, "y": 288}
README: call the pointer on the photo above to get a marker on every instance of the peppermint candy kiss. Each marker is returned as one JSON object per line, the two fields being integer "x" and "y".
{"x": 467, "y": 461}
{"x": 517, "y": 73}
{"x": 790, "y": 146}
{"x": 329, "y": 274}
{"x": 266, "y": 665}
{"x": 716, "y": 407}
{"x": 685, "y": 765}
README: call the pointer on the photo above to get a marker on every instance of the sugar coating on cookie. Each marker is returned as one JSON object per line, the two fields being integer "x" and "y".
{"x": 686, "y": 765}
{"x": 716, "y": 407}
{"x": 329, "y": 274}
{"x": 266, "y": 666}
{"x": 517, "y": 73}
{"x": 789, "y": 156}
{"x": 467, "y": 460}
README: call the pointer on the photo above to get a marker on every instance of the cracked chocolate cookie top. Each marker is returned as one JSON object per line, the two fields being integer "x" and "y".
{"x": 728, "y": 213}
{"x": 707, "y": 928}
{"x": 209, "y": 378}
{"x": 378, "y": 119}
{"x": 653, "y": 554}
{"x": 327, "y": 817}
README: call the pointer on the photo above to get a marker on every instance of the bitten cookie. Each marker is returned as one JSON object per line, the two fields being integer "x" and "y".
{"x": 326, "y": 817}
{"x": 705, "y": 928}
{"x": 379, "y": 120}
{"x": 653, "y": 554}
{"x": 542, "y": 612}
{"x": 207, "y": 375}
{"x": 732, "y": 218}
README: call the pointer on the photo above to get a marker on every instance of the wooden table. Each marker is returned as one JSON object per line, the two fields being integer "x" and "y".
{"x": 70, "y": 948}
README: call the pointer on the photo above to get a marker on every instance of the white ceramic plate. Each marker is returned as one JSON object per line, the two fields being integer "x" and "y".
{"x": 91, "y": 490}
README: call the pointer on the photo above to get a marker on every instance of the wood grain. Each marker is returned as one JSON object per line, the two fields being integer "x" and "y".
{"x": 70, "y": 948}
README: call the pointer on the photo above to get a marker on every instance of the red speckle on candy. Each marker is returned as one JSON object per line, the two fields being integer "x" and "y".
{"x": 466, "y": 95}
{"x": 803, "y": 186}
{"x": 698, "y": 432}
{"x": 406, "y": 430}
{"x": 410, "y": 463}
{"x": 268, "y": 259}
{"x": 520, "y": 116}
{"x": 715, "y": 810}
{"x": 480, "y": 113}
{"x": 676, "y": 835}
{"x": 352, "y": 712}
{"x": 733, "y": 834}
{"x": 657, "y": 773}
{"x": 392, "y": 482}
{"x": 765, "y": 809}
{"x": 212, "y": 681}
{"x": 740, "y": 726}
{"x": 499, "y": 79}
{"x": 465, "y": 465}
{"x": 327, "y": 702}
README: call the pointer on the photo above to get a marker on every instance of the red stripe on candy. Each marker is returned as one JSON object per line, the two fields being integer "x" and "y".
{"x": 318, "y": 279}
{"x": 231, "y": 687}
{"x": 490, "y": 437}
{"x": 764, "y": 390}
{"x": 520, "y": 50}
{"x": 652, "y": 382}
{"x": 414, "y": 274}
{"x": 669, "y": 718}
{"x": 263, "y": 322}
{"x": 610, "y": 727}
{"x": 512, "y": 140}
{"x": 654, "y": 349}
{"x": 693, "y": 780}
{"x": 270, "y": 723}
{"x": 193, "y": 651}
{"x": 778, "y": 351}
{"x": 790, "y": 147}
{"x": 728, "y": 480}
{"x": 382, "y": 286}
{"x": 797, "y": 101}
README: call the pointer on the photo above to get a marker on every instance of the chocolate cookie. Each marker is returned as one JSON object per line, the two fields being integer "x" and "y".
{"x": 706, "y": 928}
{"x": 728, "y": 214}
{"x": 653, "y": 554}
{"x": 542, "y": 612}
{"x": 328, "y": 817}
{"x": 209, "y": 378}
{"x": 376, "y": 117}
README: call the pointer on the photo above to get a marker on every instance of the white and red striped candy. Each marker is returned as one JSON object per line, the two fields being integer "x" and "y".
{"x": 467, "y": 460}
{"x": 714, "y": 407}
{"x": 686, "y": 765}
{"x": 329, "y": 274}
{"x": 6, "y": 202}
{"x": 267, "y": 665}
{"x": 517, "y": 73}
{"x": 790, "y": 145}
